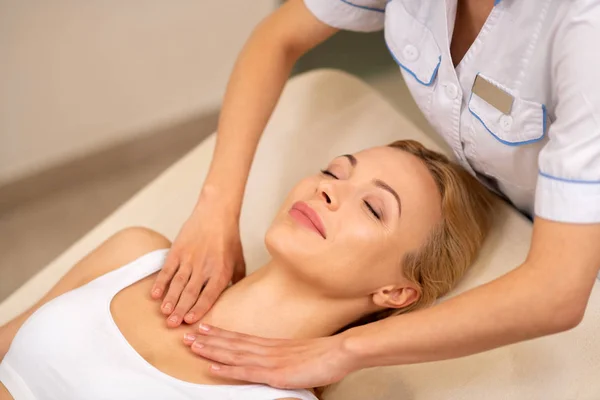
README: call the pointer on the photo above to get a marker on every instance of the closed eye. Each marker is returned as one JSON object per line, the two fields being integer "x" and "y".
{"x": 329, "y": 173}
{"x": 372, "y": 210}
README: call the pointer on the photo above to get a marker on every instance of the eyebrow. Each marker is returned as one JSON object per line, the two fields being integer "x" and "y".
{"x": 385, "y": 186}
{"x": 351, "y": 158}
{"x": 378, "y": 182}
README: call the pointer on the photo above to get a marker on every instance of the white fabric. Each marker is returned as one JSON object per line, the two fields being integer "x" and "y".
{"x": 324, "y": 114}
{"x": 71, "y": 349}
{"x": 545, "y": 155}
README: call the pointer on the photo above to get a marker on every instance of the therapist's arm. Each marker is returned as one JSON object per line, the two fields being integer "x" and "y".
{"x": 207, "y": 250}
{"x": 547, "y": 294}
{"x": 254, "y": 87}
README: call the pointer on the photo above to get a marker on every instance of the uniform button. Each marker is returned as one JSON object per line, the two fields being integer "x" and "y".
{"x": 451, "y": 91}
{"x": 410, "y": 52}
{"x": 506, "y": 122}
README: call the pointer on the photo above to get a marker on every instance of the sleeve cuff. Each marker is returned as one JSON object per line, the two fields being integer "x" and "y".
{"x": 565, "y": 200}
{"x": 349, "y": 14}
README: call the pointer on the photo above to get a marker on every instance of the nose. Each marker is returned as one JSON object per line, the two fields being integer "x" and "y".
{"x": 329, "y": 194}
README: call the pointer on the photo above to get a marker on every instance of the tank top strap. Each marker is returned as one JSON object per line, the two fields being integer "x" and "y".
{"x": 114, "y": 281}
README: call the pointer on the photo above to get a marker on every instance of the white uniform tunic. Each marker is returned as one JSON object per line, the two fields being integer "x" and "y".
{"x": 544, "y": 154}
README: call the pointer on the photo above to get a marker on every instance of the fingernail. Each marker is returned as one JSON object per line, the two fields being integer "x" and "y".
{"x": 189, "y": 337}
{"x": 174, "y": 318}
{"x": 203, "y": 327}
{"x": 168, "y": 307}
{"x": 197, "y": 345}
{"x": 156, "y": 292}
{"x": 215, "y": 367}
{"x": 190, "y": 316}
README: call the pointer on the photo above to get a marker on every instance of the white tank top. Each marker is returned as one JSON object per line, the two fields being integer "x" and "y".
{"x": 71, "y": 349}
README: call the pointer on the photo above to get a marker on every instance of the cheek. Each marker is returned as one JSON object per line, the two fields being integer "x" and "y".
{"x": 357, "y": 238}
{"x": 363, "y": 256}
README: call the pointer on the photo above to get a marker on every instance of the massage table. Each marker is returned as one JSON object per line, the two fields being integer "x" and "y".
{"x": 323, "y": 114}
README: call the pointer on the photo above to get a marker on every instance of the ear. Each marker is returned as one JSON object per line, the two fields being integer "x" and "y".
{"x": 396, "y": 296}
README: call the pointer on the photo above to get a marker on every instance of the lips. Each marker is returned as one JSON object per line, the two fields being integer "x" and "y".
{"x": 308, "y": 217}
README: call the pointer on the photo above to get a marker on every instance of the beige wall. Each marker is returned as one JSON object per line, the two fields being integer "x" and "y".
{"x": 80, "y": 75}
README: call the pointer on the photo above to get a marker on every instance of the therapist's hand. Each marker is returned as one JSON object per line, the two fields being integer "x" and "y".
{"x": 280, "y": 363}
{"x": 205, "y": 257}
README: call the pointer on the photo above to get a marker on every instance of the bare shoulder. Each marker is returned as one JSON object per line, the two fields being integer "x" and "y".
{"x": 120, "y": 249}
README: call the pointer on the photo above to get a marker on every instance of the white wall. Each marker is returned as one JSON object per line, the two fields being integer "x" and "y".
{"x": 79, "y": 75}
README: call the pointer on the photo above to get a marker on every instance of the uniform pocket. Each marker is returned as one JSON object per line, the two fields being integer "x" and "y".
{"x": 411, "y": 44}
{"x": 526, "y": 123}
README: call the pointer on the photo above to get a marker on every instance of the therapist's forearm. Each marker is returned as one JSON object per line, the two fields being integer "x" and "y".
{"x": 516, "y": 307}
{"x": 254, "y": 87}
{"x": 252, "y": 93}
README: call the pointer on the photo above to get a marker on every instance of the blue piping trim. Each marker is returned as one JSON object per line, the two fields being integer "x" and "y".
{"x": 496, "y": 2}
{"x": 412, "y": 73}
{"x": 556, "y": 178}
{"x": 524, "y": 142}
{"x": 433, "y": 75}
{"x": 544, "y": 117}
{"x": 381, "y": 10}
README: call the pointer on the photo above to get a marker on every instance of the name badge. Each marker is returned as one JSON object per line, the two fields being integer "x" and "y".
{"x": 493, "y": 95}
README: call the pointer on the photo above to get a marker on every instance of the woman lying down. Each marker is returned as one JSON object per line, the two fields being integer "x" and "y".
{"x": 381, "y": 232}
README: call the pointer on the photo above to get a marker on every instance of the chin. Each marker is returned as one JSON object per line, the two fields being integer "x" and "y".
{"x": 285, "y": 235}
{"x": 285, "y": 241}
{"x": 304, "y": 254}
{"x": 294, "y": 245}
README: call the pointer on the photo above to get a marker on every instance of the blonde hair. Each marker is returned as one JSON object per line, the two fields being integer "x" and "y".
{"x": 454, "y": 243}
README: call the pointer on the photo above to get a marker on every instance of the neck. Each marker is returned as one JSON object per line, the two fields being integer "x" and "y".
{"x": 274, "y": 303}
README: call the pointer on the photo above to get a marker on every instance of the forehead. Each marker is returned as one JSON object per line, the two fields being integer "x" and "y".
{"x": 394, "y": 165}
{"x": 404, "y": 172}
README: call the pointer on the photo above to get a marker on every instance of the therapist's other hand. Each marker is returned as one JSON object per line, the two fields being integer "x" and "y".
{"x": 205, "y": 257}
{"x": 280, "y": 363}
